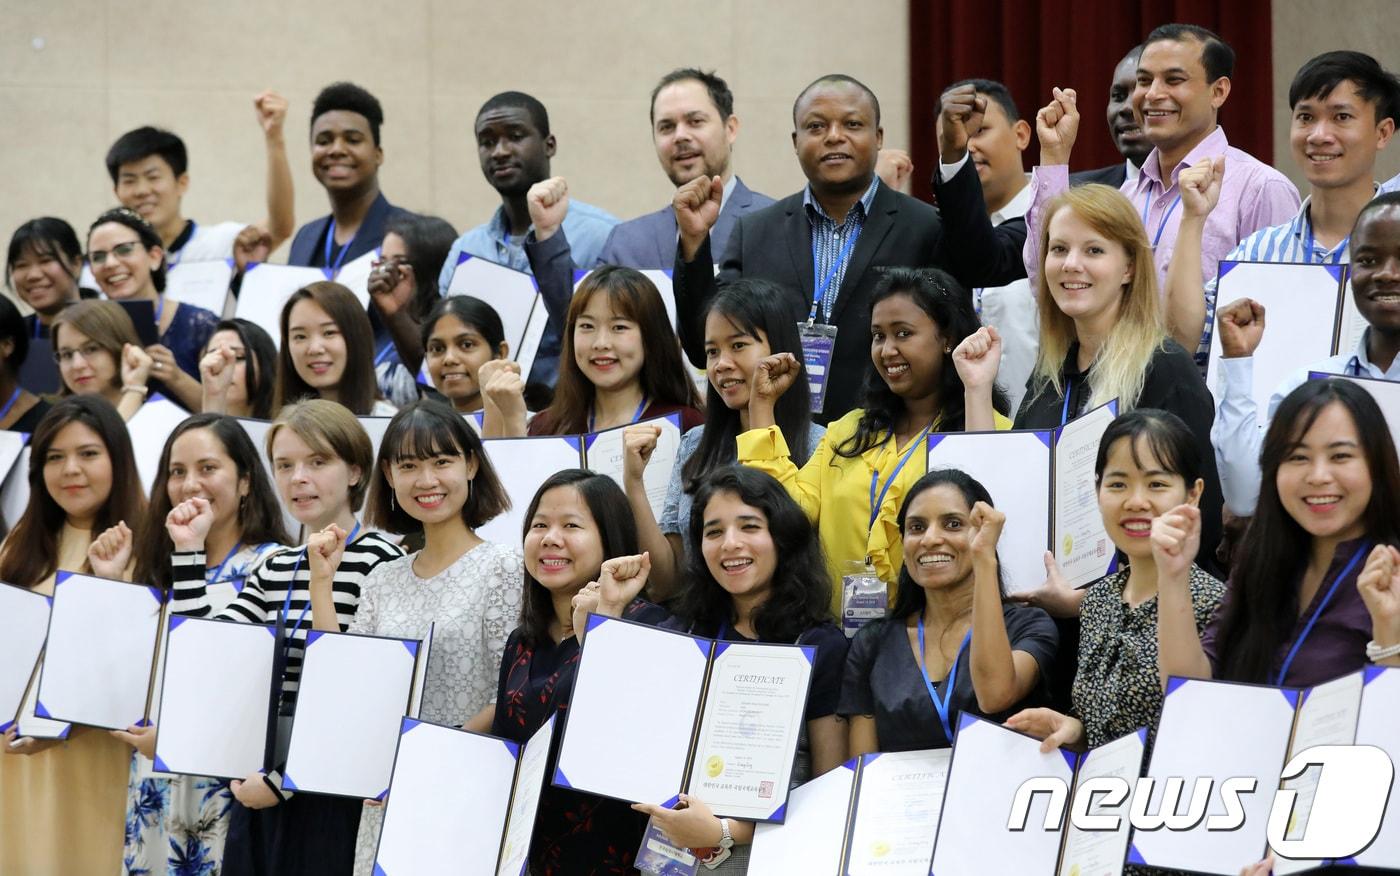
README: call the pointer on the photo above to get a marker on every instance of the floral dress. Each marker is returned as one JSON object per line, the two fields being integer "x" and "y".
{"x": 177, "y": 826}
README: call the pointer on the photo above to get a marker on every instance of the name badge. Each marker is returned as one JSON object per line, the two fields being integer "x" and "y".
{"x": 659, "y": 857}
{"x": 818, "y": 344}
{"x": 864, "y": 598}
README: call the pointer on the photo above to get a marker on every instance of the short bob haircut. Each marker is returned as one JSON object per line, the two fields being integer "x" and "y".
{"x": 329, "y": 428}
{"x": 909, "y": 597}
{"x": 425, "y": 429}
{"x": 616, "y": 528}
{"x": 147, "y": 234}
{"x": 259, "y": 517}
{"x": 358, "y": 387}
{"x": 48, "y": 237}
{"x": 32, "y": 552}
{"x": 800, "y": 592}
{"x": 106, "y": 323}
{"x": 664, "y": 378}
{"x": 260, "y": 363}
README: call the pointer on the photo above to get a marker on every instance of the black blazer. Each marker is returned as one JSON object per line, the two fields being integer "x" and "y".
{"x": 308, "y": 246}
{"x": 775, "y": 244}
{"x": 1113, "y": 175}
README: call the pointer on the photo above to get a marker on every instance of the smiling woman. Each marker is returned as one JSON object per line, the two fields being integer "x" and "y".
{"x": 42, "y": 267}
{"x": 327, "y": 351}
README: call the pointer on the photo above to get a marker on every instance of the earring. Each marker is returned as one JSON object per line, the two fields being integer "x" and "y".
{"x": 391, "y": 500}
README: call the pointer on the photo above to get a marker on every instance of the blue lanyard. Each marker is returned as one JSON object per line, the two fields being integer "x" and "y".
{"x": 637, "y": 415}
{"x": 1147, "y": 207}
{"x": 219, "y": 572}
{"x": 1321, "y": 607}
{"x": 11, "y": 403}
{"x": 941, "y": 706}
{"x": 875, "y": 503}
{"x": 819, "y": 296}
{"x": 38, "y": 328}
{"x": 1064, "y": 411}
{"x": 291, "y": 585}
{"x": 160, "y": 308}
{"x": 383, "y": 354}
{"x": 1353, "y": 368}
{"x": 334, "y": 268}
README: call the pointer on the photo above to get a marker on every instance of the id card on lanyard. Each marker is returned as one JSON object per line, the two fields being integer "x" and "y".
{"x": 819, "y": 338}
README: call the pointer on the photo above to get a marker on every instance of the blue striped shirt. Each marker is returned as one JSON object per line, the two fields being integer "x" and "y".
{"x": 1285, "y": 243}
{"x": 829, "y": 239}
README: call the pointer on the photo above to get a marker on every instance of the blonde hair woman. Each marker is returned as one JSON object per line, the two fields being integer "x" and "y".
{"x": 1102, "y": 335}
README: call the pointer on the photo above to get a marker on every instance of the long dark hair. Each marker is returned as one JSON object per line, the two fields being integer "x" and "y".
{"x": 358, "y": 387}
{"x": 31, "y": 551}
{"x": 259, "y": 366}
{"x": 144, "y": 230}
{"x": 1262, "y": 609}
{"x": 757, "y": 308}
{"x": 800, "y": 592}
{"x": 259, "y": 516}
{"x": 428, "y": 239}
{"x": 616, "y": 528}
{"x": 664, "y": 378}
{"x": 949, "y": 305}
{"x": 422, "y": 430}
{"x": 909, "y": 598}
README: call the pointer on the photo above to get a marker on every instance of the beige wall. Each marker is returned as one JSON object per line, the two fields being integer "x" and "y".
{"x": 1305, "y": 28}
{"x": 75, "y": 74}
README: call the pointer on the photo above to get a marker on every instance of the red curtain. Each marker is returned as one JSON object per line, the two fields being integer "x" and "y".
{"x": 1032, "y": 46}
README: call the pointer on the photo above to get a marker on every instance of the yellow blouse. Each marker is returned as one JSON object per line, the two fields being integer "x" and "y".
{"x": 835, "y": 491}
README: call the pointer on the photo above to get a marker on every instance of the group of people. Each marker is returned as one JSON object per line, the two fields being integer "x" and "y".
{"x": 837, "y": 328}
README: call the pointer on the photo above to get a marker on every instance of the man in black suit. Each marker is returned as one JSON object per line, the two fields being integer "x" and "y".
{"x": 827, "y": 244}
{"x": 1124, "y": 127}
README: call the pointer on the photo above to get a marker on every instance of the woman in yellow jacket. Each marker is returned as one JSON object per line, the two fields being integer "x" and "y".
{"x": 934, "y": 370}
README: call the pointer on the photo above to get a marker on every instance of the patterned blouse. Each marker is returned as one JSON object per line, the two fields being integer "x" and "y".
{"x": 1117, "y": 688}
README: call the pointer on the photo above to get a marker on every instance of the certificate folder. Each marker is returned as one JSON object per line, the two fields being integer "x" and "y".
{"x": 352, "y": 692}
{"x": 1043, "y": 480}
{"x": 516, "y": 298}
{"x": 1254, "y": 731}
{"x": 215, "y": 725}
{"x": 878, "y": 814}
{"x": 718, "y": 720}
{"x": 989, "y": 764}
{"x": 24, "y": 623}
{"x": 1304, "y": 308}
{"x": 456, "y": 793}
{"x": 523, "y": 464}
{"x": 102, "y": 643}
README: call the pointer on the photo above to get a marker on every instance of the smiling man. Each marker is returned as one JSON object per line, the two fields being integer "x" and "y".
{"x": 1123, "y": 126}
{"x": 826, "y": 245}
{"x": 1183, "y": 79}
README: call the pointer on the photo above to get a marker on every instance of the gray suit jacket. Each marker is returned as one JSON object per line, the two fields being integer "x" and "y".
{"x": 649, "y": 241}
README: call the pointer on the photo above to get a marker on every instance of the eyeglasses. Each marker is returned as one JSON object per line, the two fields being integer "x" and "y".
{"x": 121, "y": 250}
{"x": 88, "y": 350}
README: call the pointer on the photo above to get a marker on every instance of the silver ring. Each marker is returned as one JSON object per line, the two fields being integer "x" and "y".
{"x": 157, "y": 366}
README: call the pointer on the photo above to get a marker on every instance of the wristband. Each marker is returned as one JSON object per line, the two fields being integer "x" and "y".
{"x": 143, "y": 391}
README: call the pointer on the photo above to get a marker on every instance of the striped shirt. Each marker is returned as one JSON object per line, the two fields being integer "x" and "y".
{"x": 1288, "y": 242}
{"x": 265, "y": 593}
{"x": 830, "y": 241}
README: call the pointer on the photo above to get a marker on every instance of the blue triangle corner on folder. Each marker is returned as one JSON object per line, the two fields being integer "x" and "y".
{"x": 157, "y": 594}
{"x": 1174, "y": 683}
{"x": 524, "y": 867}
{"x": 671, "y": 801}
{"x": 1291, "y": 695}
{"x": 1135, "y": 857}
{"x": 935, "y": 439}
{"x": 1227, "y": 267}
{"x": 288, "y": 784}
{"x": 964, "y": 719}
{"x": 1371, "y": 674}
{"x": 1142, "y": 735}
{"x": 312, "y": 636}
{"x": 63, "y": 575}
{"x": 1335, "y": 271}
{"x": 407, "y": 724}
{"x": 579, "y": 274}
{"x": 5, "y": 725}
{"x": 176, "y": 620}
{"x": 411, "y": 646}
{"x": 594, "y": 621}
{"x": 379, "y": 871}
{"x": 721, "y": 647}
{"x": 160, "y": 765}
{"x": 41, "y": 711}
{"x": 513, "y": 748}
{"x": 381, "y": 795}
{"x": 141, "y": 722}
{"x": 779, "y": 814}
{"x": 574, "y": 441}
{"x": 1044, "y": 438}
{"x": 463, "y": 256}
{"x": 704, "y": 647}
{"x": 561, "y": 780}
{"x": 1070, "y": 758}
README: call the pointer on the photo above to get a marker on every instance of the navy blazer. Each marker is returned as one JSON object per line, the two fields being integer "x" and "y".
{"x": 1113, "y": 175}
{"x": 649, "y": 241}
{"x": 775, "y": 244}
{"x": 308, "y": 246}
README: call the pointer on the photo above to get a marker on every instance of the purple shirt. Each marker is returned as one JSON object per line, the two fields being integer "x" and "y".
{"x": 1335, "y": 646}
{"x": 1252, "y": 196}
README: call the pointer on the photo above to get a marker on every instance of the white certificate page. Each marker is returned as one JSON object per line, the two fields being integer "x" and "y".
{"x": 1015, "y": 469}
{"x": 202, "y": 284}
{"x": 525, "y": 802}
{"x": 511, "y": 293}
{"x": 266, "y": 289}
{"x": 1380, "y": 715}
{"x": 628, "y": 731}
{"x": 523, "y": 464}
{"x": 1082, "y": 546}
{"x": 810, "y": 841}
{"x": 102, "y": 644}
{"x": 24, "y": 622}
{"x": 896, "y": 812}
{"x": 749, "y": 731}
{"x": 1101, "y": 852}
{"x": 603, "y": 453}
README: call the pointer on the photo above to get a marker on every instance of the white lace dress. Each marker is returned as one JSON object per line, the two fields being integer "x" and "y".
{"x": 475, "y": 603}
